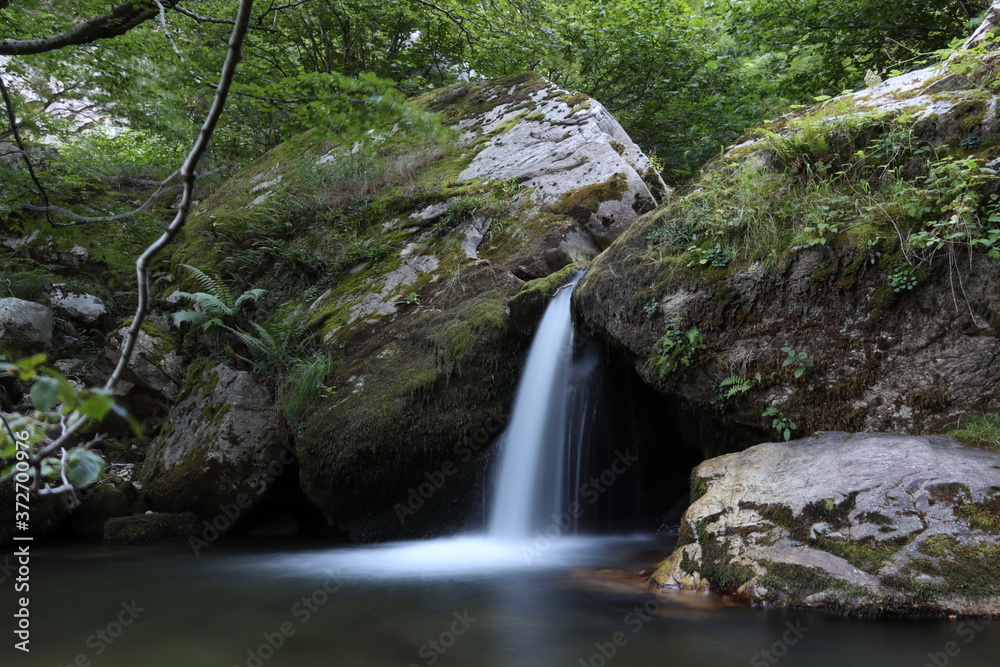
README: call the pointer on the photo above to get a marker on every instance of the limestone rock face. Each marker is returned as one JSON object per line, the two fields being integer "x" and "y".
{"x": 868, "y": 522}
{"x": 572, "y": 154}
{"x": 25, "y": 327}
{"x": 219, "y": 447}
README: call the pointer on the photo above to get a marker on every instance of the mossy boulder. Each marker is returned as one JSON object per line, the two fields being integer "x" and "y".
{"x": 401, "y": 251}
{"x": 220, "y": 446}
{"x": 805, "y": 243}
{"x": 856, "y": 523}
{"x": 152, "y": 528}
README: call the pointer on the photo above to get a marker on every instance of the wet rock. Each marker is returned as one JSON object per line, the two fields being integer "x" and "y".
{"x": 151, "y": 528}
{"x": 858, "y": 523}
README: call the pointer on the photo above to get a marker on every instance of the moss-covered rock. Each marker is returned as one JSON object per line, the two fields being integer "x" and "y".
{"x": 864, "y": 523}
{"x": 816, "y": 234}
{"x": 402, "y": 252}
{"x": 220, "y": 447}
{"x": 152, "y": 528}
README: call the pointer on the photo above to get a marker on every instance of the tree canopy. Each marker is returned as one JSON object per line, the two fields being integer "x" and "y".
{"x": 685, "y": 77}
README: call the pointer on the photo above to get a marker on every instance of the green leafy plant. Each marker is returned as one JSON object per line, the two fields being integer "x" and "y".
{"x": 715, "y": 256}
{"x": 411, "y": 299}
{"x": 214, "y": 307}
{"x": 798, "y": 361}
{"x": 780, "y": 423}
{"x": 651, "y": 308}
{"x": 676, "y": 348}
{"x": 29, "y": 452}
{"x": 902, "y": 278}
{"x": 733, "y": 386}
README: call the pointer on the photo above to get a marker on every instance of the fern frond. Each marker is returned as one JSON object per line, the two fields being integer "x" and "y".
{"x": 192, "y": 317}
{"x": 251, "y": 296}
{"x": 207, "y": 283}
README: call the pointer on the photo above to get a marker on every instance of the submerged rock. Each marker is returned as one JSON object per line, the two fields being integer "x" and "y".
{"x": 860, "y": 523}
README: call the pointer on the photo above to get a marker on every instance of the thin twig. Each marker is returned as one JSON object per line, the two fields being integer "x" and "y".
{"x": 12, "y": 119}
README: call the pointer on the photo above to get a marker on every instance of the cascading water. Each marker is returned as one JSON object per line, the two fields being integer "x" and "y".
{"x": 529, "y": 487}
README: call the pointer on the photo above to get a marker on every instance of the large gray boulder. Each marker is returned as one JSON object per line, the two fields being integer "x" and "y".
{"x": 219, "y": 448}
{"x": 25, "y": 327}
{"x": 870, "y": 523}
{"x": 424, "y": 356}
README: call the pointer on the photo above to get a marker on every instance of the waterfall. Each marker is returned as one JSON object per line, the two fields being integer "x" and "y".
{"x": 529, "y": 491}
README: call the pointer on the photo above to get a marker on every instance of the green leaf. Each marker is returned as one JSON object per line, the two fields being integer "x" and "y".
{"x": 799, "y": 371}
{"x": 83, "y": 467}
{"x": 45, "y": 393}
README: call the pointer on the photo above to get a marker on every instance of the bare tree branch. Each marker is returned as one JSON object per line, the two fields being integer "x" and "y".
{"x": 12, "y": 119}
{"x": 118, "y": 21}
{"x": 188, "y": 176}
{"x": 211, "y": 19}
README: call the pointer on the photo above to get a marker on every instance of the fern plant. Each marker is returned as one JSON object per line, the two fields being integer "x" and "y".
{"x": 214, "y": 307}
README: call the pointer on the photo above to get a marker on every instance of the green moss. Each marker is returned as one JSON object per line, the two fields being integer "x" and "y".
{"x": 717, "y": 563}
{"x": 971, "y": 572}
{"x": 582, "y": 203}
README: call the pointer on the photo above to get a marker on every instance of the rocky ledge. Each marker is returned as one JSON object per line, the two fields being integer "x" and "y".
{"x": 866, "y": 523}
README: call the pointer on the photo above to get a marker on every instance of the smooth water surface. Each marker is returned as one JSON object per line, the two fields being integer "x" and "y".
{"x": 463, "y": 601}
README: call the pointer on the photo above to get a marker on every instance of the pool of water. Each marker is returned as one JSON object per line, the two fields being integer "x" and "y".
{"x": 463, "y": 601}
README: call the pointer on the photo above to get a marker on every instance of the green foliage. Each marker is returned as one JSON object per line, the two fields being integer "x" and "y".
{"x": 26, "y": 439}
{"x": 215, "y": 306}
{"x": 411, "y": 299}
{"x": 982, "y": 430}
{"x": 902, "y": 278}
{"x": 825, "y": 46}
{"x": 676, "y": 348}
{"x": 715, "y": 256}
{"x": 780, "y": 423}
{"x": 798, "y": 361}
{"x": 304, "y": 385}
{"x": 732, "y": 387}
